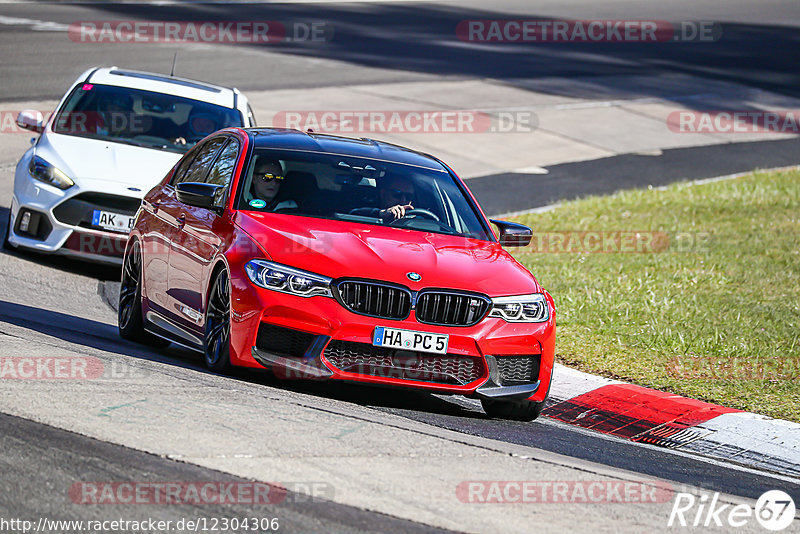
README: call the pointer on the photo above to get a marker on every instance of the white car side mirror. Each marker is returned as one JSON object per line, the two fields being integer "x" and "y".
{"x": 31, "y": 120}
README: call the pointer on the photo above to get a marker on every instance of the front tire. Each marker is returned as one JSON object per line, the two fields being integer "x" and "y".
{"x": 217, "y": 346}
{"x": 523, "y": 410}
{"x": 129, "y": 310}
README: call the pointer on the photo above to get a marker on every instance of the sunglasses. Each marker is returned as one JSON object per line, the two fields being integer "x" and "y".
{"x": 401, "y": 195}
{"x": 268, "y": 177}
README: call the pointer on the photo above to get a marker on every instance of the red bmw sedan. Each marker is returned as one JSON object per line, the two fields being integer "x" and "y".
{"x": 325, "y": 257}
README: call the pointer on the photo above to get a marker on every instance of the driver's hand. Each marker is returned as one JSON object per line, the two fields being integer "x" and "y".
{"x": 396, "y": 212}
{"x": 178, "y": 141}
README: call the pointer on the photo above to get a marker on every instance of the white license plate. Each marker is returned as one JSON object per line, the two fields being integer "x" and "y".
{"x": 115, "y": 222}
{"x": 410, "y": 340}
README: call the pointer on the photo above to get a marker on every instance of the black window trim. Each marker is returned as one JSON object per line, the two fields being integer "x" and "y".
{"x": 230, "y": 139}
{"x": 199, "y": 149}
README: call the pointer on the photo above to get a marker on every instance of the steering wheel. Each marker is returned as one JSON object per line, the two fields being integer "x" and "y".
{"x": 421, "y": 213}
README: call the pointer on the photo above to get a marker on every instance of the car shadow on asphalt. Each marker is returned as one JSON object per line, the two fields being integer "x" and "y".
{"x": 102, "y": 336}
{"x": 89, "y": 333}
{"x": 393, "y": 399}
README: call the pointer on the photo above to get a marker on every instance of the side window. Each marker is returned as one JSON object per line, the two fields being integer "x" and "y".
{"x": 196, "y": 172}
{"x": 184, "y": 166}
{"x": 221, "y": 172}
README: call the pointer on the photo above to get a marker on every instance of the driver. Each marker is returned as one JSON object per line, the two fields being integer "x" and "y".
{"x": 115, "y": 115}
{"x": 394, "y": 198}
{"x": 200, "y": 124}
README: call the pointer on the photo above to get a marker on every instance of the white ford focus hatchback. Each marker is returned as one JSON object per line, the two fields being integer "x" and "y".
{"x": 112, "y": 138}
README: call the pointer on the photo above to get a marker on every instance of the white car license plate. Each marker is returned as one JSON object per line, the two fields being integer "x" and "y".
{"x": 116, "y": 222}
{"x": 410, "y": 340}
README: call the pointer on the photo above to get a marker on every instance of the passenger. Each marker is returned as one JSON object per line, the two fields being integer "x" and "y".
{"x": 265, "y": 186}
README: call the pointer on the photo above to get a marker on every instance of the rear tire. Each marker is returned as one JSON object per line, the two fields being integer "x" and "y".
{"x": 217, "y": 345}
{"x": 523, "y": 410}
{"x": 129, "y": 310}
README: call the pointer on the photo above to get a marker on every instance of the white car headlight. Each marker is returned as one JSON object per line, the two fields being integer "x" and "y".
{"x": 521, "y": 309}
{"x": 47, "y": 173}
{"x": 285, "y": 279}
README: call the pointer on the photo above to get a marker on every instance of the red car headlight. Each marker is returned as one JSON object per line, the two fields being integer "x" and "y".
{"x": 285, "y": 279}
{"x": 521, "y": 309}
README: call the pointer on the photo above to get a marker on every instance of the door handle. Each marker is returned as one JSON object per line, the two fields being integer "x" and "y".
{"x": 155, "y": 206}
{"x": 181, "y": 222}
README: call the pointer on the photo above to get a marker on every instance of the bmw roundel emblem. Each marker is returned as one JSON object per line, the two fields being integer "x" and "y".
{"x": 414, "y": 277}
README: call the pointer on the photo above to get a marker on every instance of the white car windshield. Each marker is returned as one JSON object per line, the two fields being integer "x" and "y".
{"x": 360, "y": 190}
{"x": 141, "y": 118}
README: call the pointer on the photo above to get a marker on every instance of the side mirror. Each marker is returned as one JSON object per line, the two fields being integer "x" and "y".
{"x": 197, "y": 194}
{"x": 513, "y": 234}
{"x": 31, "y": 120}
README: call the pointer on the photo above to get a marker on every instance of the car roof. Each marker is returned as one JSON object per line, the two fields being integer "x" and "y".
{"x": 289, "y": 139}
{"x": 162, "y": 83}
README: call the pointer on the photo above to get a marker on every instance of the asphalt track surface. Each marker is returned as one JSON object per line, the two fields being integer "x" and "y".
{"x": 37, "y": 458}
{"x": 393, "y": 41}
{"x": 513, "y": 192}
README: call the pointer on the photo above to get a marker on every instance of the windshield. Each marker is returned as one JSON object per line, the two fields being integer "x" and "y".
{"x": 141, "y": 118}
{"x": 359, "y": 190}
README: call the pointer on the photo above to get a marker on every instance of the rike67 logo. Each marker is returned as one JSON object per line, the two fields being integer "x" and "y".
{"x": 774, "y": 510}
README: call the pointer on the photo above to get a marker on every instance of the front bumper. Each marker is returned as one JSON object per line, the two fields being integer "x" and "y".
{"x": 470, "y": 367}
{"x": 54, "y": 236}
{"x": 313, "y": 367}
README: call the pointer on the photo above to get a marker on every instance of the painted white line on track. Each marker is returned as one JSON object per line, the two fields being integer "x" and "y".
{"x": 36, "y": 25}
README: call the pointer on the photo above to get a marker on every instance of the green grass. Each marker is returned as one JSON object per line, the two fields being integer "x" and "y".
{"x": 717, "y": 321}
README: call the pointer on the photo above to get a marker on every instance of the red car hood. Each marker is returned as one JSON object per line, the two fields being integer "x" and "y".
{"x": 346, "y": 249}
